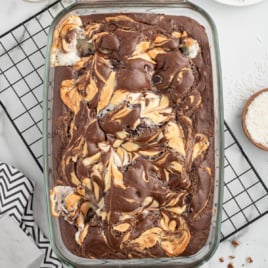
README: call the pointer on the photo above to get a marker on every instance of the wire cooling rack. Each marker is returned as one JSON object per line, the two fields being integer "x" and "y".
{"x": 22, "y": 54}
{"x": 245, "y": 194}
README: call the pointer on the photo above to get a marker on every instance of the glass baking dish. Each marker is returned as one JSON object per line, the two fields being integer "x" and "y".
{"x": 179, "y": 8}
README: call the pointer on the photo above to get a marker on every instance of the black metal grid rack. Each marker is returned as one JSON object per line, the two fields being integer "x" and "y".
{"x": 245, "y": 194}
{"x": 22, "y": 54}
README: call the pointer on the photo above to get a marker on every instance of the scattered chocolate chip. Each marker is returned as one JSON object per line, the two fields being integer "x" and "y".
{"x": 235, "y": 243}
{"x": 231, "y": 257}
{"x": 249, "y": 260}
{"x": 221, "y": 259}
{"x": 230, "y": 265}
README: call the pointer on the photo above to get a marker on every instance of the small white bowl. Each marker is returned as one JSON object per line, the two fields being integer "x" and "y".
{"x": 244, "y": 115}
{"x": 239, "y": 2}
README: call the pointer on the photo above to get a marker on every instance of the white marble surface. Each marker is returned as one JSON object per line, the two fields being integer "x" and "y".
{"x": 243, "y": 43}
{"x": 18, "y": 246}
{"x": 15, "y": 11}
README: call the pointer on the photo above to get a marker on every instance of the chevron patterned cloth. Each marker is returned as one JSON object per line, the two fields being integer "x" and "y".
{"x": 16, "y": 200}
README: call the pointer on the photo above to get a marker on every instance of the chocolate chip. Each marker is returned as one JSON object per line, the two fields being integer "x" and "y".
{"x": 183, "y": 50}
{"x": 138, "y": 193}
{"x": 221, "y": 259}
{"x": 249, "y": 259}
{"x": 190, "y": 210}
{"x": 117, "y": 234}
{"x": 90, "y": 215}
{"x": 80, "y": 72}
{"x": 230, "y": 265}
{"x": 115, "y": 63}
{"x": 188, "y": 198}
{"x": 157, "y": 79}
{"x": 235, "y": 243}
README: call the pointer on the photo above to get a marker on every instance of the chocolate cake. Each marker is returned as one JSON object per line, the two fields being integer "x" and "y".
{"x": 133, "y": 135}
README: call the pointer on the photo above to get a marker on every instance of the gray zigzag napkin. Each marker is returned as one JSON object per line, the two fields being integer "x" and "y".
{"x": 16, "y": 199}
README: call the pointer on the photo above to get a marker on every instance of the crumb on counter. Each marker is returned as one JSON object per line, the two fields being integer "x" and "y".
{"x": 235, "y": 243}
{"x": 230, "y": 265}
{"x": 221, "y": 259}
{"x": 249, "y": 260}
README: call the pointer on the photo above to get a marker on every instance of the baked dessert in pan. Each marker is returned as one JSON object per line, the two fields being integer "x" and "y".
{"x": 132, "y": 135}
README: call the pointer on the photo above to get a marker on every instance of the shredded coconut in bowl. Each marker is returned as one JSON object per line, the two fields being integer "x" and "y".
{"x": 256, "y": 119}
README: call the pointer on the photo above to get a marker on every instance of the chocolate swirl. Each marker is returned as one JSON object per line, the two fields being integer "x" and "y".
{"x": 133, "y": 170}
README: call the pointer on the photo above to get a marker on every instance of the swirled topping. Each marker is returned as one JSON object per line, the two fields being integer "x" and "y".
{"x": 133, "y": 173}
{"x": 69, "y": 42}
